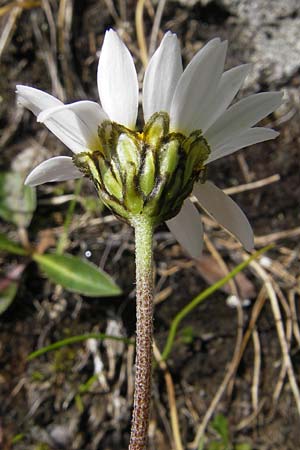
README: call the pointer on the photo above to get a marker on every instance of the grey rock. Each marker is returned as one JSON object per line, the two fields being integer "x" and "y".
{"x": 265, "y": 32}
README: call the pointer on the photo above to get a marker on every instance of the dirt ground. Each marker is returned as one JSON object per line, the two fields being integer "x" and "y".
{"x": 51, "y": 402}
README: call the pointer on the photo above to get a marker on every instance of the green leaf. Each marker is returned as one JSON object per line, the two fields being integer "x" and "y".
{"x": 10, "y": 246}
{"x": 17, "y": 202}
{"x": 220, "y": 424}
{"x": 187, "y": 335}
{"x": 243, "y": 447}
{"x": 17, "y": 438}
{"x": 216, "y": 445}
{"x": 77, "y": 275}
{"x": 201, "y": 443}
{"x": 7, "y": 296}
{"x": 75, "y": 340}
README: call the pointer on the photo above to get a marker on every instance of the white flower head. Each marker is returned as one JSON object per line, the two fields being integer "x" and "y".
{"x": 196, "y": 99}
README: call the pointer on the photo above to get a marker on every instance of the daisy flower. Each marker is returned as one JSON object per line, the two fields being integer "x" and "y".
{"x": 189, "y": 123}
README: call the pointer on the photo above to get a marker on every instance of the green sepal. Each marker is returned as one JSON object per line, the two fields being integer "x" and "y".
{"x": 110, "y": 179}
{"x": 133, "y": 199}
{"x": 108, "y": 133}
{"x": 147, "y": 175}
{"x": 128, "y": 152}
{"x": 197, "y": 151}
{"x": 156, "y": 129}
{"x": 169, "y": 157}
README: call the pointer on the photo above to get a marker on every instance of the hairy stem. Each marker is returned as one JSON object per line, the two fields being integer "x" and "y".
{"x": 144, "y": 326}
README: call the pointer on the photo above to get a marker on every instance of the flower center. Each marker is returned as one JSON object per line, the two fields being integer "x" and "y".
{"x": 149, "y": 173}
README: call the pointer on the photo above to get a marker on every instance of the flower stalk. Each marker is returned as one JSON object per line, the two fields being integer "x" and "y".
{"x": 144, "y": 330}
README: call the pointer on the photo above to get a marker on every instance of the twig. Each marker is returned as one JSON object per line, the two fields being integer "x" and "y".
{"x": 256, "y": 310}
{"x": 244, "y": 167}
{"x": 256, "y": 369}
{"x": 273, "y": 237}
{"x": 171, "y": 398}
{"x": 139, "y": 24}
{"x": 246, "y": 422}
{"x": 240, "y": 315}
{"x": 26, "y": 4}
{"x": 279, "y": 271}
{"x": 8, "y": 30}
{"x": 280, "y": 330}
{"x": 283, "y": 370}
{"x": 200, "y": 298}
{"x": 296, "y": 330}
{"x": 48, "y": 57}
{"x": 112, "y": 10}
{"x": 52, "y": 26}
{"x": 156, "y": 24}
{"x": 212, "y": 407}
{"x": 230, "y": 372}
{"x": 259, "y": 240}
{"x": 220, "y": 261}
{"x": 123, "y": 10}
{"x": 253, "y": 185}
{"x": 289, "y": 332}
{"x": 64, "y": 27}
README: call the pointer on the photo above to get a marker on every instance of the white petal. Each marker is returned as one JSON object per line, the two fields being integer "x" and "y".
{"x": 229, "y": 85}
{"x": 241, "y": 116}
{"x": 117, "y": 81}
{"x": 60, "y": 168}
{"x": 197, "y": 84}
{"x": 249, "y": 137}
{"x": 76, "y": 124}
{"x": 187, "y": 229}
{"x": 225, "y": 211}
{"x": 161, "y": 77}
{"x": 35, "y": 100}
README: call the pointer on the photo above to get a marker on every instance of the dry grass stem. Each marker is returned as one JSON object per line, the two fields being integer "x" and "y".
{"x": 246, "y": 423}
{"x": 280, "y": 331}
{"x": 9, "y": 29}
{"x": 156, "y": 25}
{"x": 292, "y": 303}
{"x": 240, "y": 315}
{"x": 253, "y": 185}
{"x": 256, "y": 369}
{"x": 140, "y": 31}
{"x": 171, "y": 398}
{"x": 112, "y": 10}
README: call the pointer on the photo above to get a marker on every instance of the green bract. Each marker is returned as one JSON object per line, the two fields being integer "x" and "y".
{"x": 149, "y": 173}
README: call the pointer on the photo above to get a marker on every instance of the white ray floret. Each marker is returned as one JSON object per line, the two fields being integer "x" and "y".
{"x": 225, "y": 211}
{"x": 248, "y": 137}
{"x": 161, "y": 76}
{"x": 117, "y": 81}
{"x": 199, "y": 80}
{"x": 59, "y": 168}
{"x": 197, "y": 98}
{"x": 188, "y": 229}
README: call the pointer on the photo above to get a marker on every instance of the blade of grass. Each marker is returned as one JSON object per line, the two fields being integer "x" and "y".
{"x": 75, "y": 340}
{"x": 202, "y": 296}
